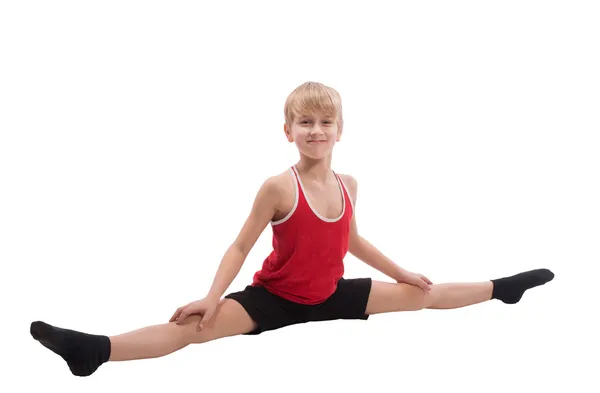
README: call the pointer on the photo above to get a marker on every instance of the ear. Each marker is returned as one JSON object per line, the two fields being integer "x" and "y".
{"x": 288, "y": 133}
{"x": 339, "y": 131}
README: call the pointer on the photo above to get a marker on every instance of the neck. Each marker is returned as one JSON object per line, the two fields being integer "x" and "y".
{"x": 317, "y": 170}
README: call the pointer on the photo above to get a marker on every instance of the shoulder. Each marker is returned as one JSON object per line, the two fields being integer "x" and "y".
{"x": 351, "y": 184}
{"x": 277, "y": 186}
{"x": 281, "y": 182}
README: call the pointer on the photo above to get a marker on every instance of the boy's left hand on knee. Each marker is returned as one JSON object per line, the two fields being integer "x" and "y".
{"x": 416, "y": 279}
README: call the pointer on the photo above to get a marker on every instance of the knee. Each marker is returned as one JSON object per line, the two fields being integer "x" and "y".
{"x": 421, "y": 298}
{"x": 189, "y": 332}
{"x": 391, "y": 297}
{"x": 427, "y": 298}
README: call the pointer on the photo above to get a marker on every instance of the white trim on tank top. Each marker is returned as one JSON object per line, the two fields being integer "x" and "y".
{"x": 287, "y": 217}
{"x": 341, "y": 184}
{"x": 313, "y": 210}
{"x": 349, "y": 196}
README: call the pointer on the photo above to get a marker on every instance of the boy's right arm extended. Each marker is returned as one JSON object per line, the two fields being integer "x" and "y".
{"x": 229, "y": 268}
{"x": 263, "y": 210}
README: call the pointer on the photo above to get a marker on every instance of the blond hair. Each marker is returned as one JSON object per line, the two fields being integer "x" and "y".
{"x": 310, "y": 97}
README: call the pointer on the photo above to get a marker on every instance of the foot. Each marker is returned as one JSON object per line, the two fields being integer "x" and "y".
{"x": 510, "y": 289}
{"x": 84, "y": 353}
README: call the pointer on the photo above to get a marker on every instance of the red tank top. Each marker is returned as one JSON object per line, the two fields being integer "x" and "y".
{"x": 308, "y": 250}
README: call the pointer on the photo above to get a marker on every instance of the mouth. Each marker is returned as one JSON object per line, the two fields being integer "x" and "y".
{"x": 317, "y": 141}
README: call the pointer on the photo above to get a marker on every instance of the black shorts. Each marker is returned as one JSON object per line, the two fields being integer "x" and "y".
{"x": 271, "y": 312}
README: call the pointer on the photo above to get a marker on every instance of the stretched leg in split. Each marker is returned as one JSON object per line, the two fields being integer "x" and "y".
{"x": 84, "y": 352}
{"x": 390, "y": 297}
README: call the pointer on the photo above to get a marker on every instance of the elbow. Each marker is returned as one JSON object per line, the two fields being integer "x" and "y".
{"x": 240, "y": 249}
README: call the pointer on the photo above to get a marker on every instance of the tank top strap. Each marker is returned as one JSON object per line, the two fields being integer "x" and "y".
{"x": 300, "y": 197}
{"x": 346, "y": 192}
{"x": 298, "y": 182}
{"x": 295, "y": 172}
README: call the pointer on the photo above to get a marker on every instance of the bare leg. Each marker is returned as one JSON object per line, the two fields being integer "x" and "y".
{"x": 391, "y": 297}
{"x": 455, "y": 295}
{"x": 84, "y": 353}
{"x": 159, "y": 340}
{"x": 152, "y": 341}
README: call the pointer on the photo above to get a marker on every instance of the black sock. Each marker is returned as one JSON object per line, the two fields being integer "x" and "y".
{"x": 511, "y": 289}
{"x": 83, "y": 352}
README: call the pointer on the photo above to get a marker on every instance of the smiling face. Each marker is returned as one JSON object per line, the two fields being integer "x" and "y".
{"x": 313, "y": 119}
{"x": 315, "y": 134}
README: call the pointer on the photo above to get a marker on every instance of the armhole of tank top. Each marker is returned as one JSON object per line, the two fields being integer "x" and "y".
{"x": 347, "y": 192}
{"x": 296, "y": 197}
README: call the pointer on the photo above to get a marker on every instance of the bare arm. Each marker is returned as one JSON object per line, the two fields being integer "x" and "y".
{"x": 262, "y": 212}
{"x": 362, "y": 249}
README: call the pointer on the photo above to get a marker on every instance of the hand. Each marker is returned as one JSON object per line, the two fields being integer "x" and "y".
{"x": 205, "y": 307}
{"x": 416, "y": 279}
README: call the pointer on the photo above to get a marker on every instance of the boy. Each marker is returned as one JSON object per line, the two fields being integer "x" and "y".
{"x": 311, "y": 211}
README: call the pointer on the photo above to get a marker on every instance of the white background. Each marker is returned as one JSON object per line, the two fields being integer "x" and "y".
{"x": 135, "y": 134}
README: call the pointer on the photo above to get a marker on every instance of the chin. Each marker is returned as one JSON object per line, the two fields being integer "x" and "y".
{"x": 316, "y": 156}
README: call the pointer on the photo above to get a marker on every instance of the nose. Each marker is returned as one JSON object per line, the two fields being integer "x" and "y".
{"x": 316, "y": 130}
